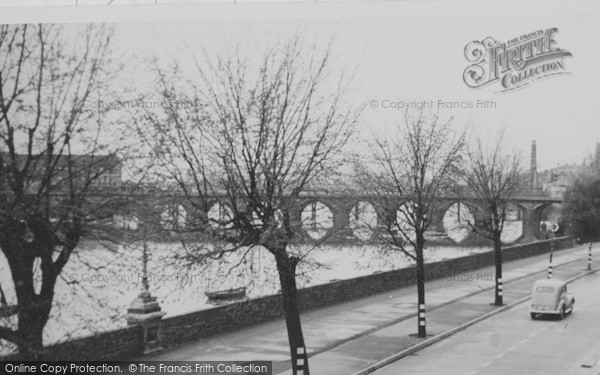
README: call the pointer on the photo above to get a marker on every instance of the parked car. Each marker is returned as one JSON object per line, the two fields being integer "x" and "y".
{"x": 549, "y": 296}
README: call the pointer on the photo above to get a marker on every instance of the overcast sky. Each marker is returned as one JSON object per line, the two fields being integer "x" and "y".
{"x": 405, "y": 51}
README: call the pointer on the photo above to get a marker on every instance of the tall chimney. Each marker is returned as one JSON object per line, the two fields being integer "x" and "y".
{"x": 533, "y": 170}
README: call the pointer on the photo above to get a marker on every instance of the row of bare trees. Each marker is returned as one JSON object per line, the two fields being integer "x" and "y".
{"x": 264, "y": 129}
{"x": 261, "y": 129}
{"x": 421, "y": 160}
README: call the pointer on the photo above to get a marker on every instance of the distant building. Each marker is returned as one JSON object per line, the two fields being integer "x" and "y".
{"x": 101, "y": 170}
{"x": 557, "y": 180}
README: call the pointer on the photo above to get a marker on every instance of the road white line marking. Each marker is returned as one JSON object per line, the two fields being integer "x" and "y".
{"x": 519, "y": 343}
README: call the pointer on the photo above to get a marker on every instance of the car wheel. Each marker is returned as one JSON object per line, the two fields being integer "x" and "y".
{"x": 533, "y": 316}
{"x": 562, "y": 313}
{"x": 571, "y": 310}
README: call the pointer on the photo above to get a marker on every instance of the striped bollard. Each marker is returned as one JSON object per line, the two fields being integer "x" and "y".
{"x": 589, "y": 267}
{"x": 422, "y": 315}
{"x": 550, "y": 267}
{"x": 500, "y": 288}
{"x": 301, "y": 361}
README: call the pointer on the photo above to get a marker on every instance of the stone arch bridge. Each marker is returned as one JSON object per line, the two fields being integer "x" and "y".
{"x": 334, "y": 217}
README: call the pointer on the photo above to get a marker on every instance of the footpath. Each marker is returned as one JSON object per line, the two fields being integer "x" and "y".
{"x": 359, "y": 336}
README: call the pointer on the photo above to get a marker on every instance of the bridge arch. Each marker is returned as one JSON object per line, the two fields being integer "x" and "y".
{"x": 458, "y": 221}
{"x": 220, "y": 215}
{"x": 551, "y": 222}
{"x": 316, "y": 219}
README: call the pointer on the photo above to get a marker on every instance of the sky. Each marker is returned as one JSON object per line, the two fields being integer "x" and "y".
{"x": 402, "y": 51}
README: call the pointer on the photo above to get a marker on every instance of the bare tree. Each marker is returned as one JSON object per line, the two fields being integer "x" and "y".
{"x": 259, "y": 132}
{"x": 413, "y": 166}
{"x": 491, "y": 177}
{"x": 53, "y": 148}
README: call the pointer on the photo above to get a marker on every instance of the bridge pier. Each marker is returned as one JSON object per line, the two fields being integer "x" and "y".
{"x": 341, "y": 220}
{"x": 532, "y": 217}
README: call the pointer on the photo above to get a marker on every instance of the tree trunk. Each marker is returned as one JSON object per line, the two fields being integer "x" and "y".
{"x": 34, "y": 311}
{"x": 422, "y": 331}
{"x": 286, "y": 267}
{"x": 31, "y": 329}
{"x": 498, "y": 262}
{"x": 33, "y": 308}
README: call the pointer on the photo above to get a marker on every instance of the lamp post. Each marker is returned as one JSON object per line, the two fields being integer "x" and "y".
{"x": 145, "y": 311}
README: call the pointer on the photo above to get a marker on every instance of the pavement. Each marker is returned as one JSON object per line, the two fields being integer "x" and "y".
{"x": 363, "y": 335}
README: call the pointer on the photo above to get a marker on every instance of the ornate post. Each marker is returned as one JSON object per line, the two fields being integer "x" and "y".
{"x": 145, "y": 311}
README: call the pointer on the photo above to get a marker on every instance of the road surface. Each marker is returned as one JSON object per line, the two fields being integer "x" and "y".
{"x": 512, "y": 343}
